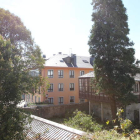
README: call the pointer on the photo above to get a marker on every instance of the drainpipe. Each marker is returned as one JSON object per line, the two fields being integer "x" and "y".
{"x": 102, "y": 113}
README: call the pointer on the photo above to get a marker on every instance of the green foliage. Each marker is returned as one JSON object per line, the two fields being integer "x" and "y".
{"x": 18, "y": 55}
{"x": 83, "y": 122}
{"x": 109, "y": 135}
{"x": 114, "y": 62}
{"x": 11, "y": 27}
{"x": 125, "y": 124}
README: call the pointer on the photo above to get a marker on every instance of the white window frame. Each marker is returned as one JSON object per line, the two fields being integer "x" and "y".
{"x": 51, "y": 100}
{"x": 51, "y": 75}
{"x": 38, "y": 99}
{"x": 49, "y": 90}
{"x": 60, "y": 73}
{"x": 72, "y": 88}
{"x": 82, "y": 100}
{"x": 59, "y": 102}
{"x": 60, "y": 87}
{"x": 136, "y": 87}
{"x": 73, "y": 98}
{"x": 82, "y": 72}
{"x": 71, "y": 73}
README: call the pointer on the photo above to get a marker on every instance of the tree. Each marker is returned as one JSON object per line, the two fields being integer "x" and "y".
{"x": 18, "y": 55}
{"x": 114, "y": 63}
{"x": 11, "y": 27}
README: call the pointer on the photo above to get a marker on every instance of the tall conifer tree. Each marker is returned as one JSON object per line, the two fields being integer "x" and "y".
{"x": 114, "y": 63}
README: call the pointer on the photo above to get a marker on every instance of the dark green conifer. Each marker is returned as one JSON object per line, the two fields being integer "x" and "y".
{"x": 114, "y": 63}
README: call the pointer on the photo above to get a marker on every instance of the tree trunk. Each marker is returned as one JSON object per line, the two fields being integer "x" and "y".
{"x": 113, "y": 107}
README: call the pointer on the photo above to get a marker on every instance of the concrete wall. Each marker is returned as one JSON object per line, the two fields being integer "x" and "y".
{"x": 130, "y": 111}
{"x": 102, "y": 111}
{"x": 58, "y": 110}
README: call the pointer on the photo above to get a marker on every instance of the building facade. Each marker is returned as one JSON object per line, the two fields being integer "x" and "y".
{"x": 63, "y": 72}
{"x": 36, "y": 97}
{"x": 99, "y": 104}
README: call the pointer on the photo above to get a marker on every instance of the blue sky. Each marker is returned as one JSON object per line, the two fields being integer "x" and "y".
{"x": 64, "y": 25}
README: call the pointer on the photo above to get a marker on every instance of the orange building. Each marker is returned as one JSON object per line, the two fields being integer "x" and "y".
{"x": 63, "y": 72}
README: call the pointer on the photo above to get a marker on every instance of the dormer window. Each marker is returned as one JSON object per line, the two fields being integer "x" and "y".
{"x": 85, "y": 61}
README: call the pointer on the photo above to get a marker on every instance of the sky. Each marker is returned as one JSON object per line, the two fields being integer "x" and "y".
{"x": 64, "y": 25}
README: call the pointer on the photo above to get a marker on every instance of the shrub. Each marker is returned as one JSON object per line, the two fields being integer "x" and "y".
{"x": 83, "y": 122}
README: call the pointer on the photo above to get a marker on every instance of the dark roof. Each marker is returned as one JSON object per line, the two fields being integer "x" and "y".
{"x": 91, "y": 74}
{"x": 61, "y": 60}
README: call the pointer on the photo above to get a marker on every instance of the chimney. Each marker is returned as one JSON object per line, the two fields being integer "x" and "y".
{"x": 44, "y": 56}
{"x": 91, "y": 60}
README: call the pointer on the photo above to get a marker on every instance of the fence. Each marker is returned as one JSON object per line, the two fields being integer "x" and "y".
{"x": 42, "y": 129}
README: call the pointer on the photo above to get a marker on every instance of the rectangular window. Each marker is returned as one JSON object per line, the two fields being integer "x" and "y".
{"x": 39, "y": 90}
{"x": 60, "y": 100}
{"x": 71, "y": 73}
{"x": 50, "y": 73}
{"x": 50, "y": 100}
{"x": 50, "y": 88}
{"x": 35, "y": 99}
{"x": 60, "y": 87}
{"x": 136, "y": 87}
{"x": 72, "y": 99}
{"x": 82, "y": 73}
{"x": 39, "y": 99}
{"x": 60, "y": 73}
{"x": 71, "y": 86}
{"x": 82, "y": 100}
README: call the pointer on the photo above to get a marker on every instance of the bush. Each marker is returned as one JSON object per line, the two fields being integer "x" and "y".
{"x": 83, "y": 122}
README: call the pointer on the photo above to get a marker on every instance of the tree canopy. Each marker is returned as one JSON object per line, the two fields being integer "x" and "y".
{"x": 114, "y": 62}
{"x": 18, "y": 55}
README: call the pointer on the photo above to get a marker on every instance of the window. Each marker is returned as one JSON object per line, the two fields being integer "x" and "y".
{"x": 60, "y": 73}
{"x": 82, "y": 100}
{"x": 60, "y": 100}
{"x": 39, "y": 99}
{"x": 39, "y": 90}
{"x": 23, "y": 96}
{"x": 50, "y": 100}
{"x": 50, "y": 73}
{"x": 71, "y": 86}
{"x": 60, "y": 87}
{"x": 71, "y": 73}
{"x": 50, "y": 88}
{"x": 81, "y": 73}
{"x": 85, "y": 61}
{"x": 136, "y": 87}
{"x": 72, "y": 99}
{"x": 35, "y": 99}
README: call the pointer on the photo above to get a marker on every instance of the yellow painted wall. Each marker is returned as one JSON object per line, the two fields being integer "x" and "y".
{"x": 66, "y": 80}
